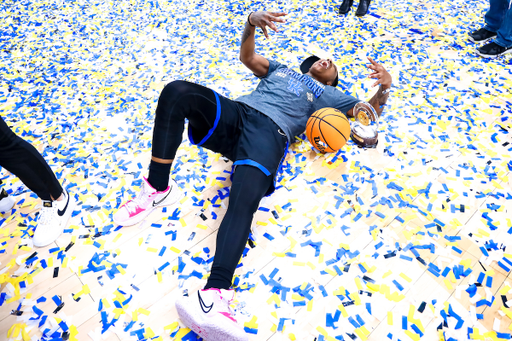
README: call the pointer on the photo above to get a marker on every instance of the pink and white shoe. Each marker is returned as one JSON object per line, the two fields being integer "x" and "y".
{"x": 209, "y": 315}
{"x": 135, "y": 210}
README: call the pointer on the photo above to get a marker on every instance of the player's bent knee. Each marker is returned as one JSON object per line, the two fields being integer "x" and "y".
{"x": 169, "y": 97}
{"x": 176, "y": 89}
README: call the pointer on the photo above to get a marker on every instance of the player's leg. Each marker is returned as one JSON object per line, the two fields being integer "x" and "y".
{"x": 206, "y": 112}
{"x": 207, "y": 311}
{"x": 248, "y": 188}
{"x": 505, "y": 32}
{"x": 24, "y": 161}
{"x": 498, "y": 22}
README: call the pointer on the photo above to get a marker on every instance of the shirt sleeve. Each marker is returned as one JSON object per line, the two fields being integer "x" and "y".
{"x": 273, "y": 66}
{"x": 336, "y": 99}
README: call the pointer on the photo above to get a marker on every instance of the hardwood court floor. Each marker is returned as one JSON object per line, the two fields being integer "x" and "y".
{"x": 409, "y": 240}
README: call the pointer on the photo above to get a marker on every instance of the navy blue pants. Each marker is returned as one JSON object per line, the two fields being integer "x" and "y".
{"x": 250, "y": 139}
{"x": 21, "y": 159}
{"x": 499, "y": 19}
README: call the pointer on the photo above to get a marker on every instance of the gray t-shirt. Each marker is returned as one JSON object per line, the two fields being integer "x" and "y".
{"x": 289, "y": 98}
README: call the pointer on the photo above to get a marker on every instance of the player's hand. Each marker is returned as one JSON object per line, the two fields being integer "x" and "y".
{"x": 379, "y": 72}
{"x": 264, "y": 19}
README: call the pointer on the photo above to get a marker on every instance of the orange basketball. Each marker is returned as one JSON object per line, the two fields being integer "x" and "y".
{"x": 328, "y": 130}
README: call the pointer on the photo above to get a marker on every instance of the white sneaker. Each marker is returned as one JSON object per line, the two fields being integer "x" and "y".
{"x": 209, "y": 315}
{"x": 53, "y": 217}
{"x": 135, "y": 210}
{"x": 6, "y": 202}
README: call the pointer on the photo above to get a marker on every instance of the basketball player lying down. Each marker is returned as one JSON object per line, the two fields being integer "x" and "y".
{"x": 253, "y": 131}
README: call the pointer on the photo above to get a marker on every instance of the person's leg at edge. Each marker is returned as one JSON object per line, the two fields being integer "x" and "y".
{"x": 504, "y": 38}
{"x": 21, "y": 159}
{"x": 495, "y": 15}
{"x": 498, "y": 20}
{"x": 248, "y": 188}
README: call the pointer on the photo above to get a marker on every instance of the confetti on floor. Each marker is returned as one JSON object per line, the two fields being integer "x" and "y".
{"x": 408, "y": 241}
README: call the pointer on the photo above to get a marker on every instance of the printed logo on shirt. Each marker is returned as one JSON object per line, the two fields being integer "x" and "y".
{"x": 281, "y": 74}
{"x": 310, "y": 96}
{"x": 315, "y": 87}
{"x": 295, "y": 86}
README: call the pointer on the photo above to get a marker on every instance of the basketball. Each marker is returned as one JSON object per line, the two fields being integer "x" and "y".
{"x": 328, "y": 130}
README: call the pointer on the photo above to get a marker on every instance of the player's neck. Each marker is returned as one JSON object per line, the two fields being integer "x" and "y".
{"x": 310, "y": 75}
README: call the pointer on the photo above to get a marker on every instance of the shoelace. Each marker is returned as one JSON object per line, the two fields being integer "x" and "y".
{"x": 46, "y": 215}
{"x": 231, "y": 310}
{"x": 228, "y": 303}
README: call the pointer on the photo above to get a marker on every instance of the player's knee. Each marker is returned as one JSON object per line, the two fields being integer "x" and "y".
{"x": 169, "y": 98}
{"x": 175, "y": 89}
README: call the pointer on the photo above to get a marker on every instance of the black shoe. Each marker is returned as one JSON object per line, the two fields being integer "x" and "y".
{"x": 493, "y": 50}
{"x": 345, "y": 6}
{"x": 481, "y": 36}
{"x": 363, "y": 7}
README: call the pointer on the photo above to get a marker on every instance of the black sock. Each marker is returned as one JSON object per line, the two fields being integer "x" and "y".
{"x": 219, "y": 279}
{"x": 159, "y": 175}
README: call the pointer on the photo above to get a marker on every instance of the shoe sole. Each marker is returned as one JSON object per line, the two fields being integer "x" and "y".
{"x": 481, "y": 41}
{"x": 494, "y": 55}
{"x": 209, "y": 332}
{"x": 141, "y": 216}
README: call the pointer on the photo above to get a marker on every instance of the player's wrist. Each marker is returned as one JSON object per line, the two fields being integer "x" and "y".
{"x": 249, "y": 19}
{"x": 385, "y": 88}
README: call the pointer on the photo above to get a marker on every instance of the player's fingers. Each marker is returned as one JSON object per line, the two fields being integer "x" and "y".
{"x": 277, "y": 19}
{"x": 272, "y": 26}
{"x": 372, "y": 61}
{"x": 264, "y": 29}
{"x": 376, "y": 83}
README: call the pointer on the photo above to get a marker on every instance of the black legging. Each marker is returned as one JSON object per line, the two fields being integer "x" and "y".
{"x": 21, "y": 159}
{"x": 180, "y": 100}
{"x": 248, "y": 187}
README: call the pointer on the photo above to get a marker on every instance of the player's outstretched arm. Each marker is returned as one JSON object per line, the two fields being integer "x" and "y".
{"x": 255, "y": 62}
{"x": 378, "y": 101}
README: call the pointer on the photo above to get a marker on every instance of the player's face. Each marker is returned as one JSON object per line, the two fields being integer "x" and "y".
{"x": 324, "y": 71}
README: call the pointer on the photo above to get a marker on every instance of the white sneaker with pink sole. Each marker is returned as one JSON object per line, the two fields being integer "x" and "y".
{"x": 208, "y": 314}
{"x": 148, "y": 199}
